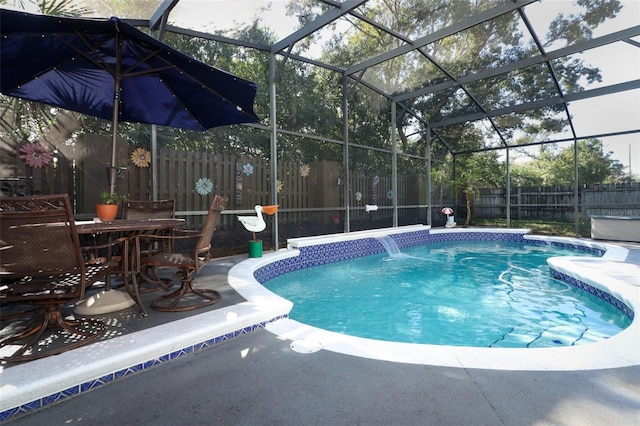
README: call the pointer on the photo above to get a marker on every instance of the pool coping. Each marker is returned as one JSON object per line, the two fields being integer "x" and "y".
{"x": 609, "y": 273}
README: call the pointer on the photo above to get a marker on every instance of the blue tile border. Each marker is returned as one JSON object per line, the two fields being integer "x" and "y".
{"x": 75, "y": 390}
{"x": 577, "y": 247}
{"x": 322, "y": 254}
{"x": 600, "y": 294}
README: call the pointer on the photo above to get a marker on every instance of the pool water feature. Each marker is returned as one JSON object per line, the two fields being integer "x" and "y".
{"x": 480, "y": 293}
{"x": 608, "y": 277}
{"x": 390, "y": 246}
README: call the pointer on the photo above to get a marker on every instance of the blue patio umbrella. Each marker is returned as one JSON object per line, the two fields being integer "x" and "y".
{"x": 110, "y": 69}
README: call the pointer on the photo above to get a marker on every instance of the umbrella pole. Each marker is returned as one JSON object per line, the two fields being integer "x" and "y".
{"x": 113, "y": 169}
{"x": 116, "y": 112}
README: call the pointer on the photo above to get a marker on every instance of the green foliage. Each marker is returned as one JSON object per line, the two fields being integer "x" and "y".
{"x": 61, "y": 8}
{"x": 141, "y": 9}
{"x": 479, "y": 170}
{"x": 21, "y": 120}
{"x": 579, "y": 27}
{"x": 540, "y": 227}
{"x": 556, "y": 166}
{"x": 476, "y": 49}
{"x": 109, "y": 198}
{"x": 309, "y": 98}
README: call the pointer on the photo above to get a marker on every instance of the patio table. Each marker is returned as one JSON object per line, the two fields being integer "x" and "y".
{"x": 110, "y": 300}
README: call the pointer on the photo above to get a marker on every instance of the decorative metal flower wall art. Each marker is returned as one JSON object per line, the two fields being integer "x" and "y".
{"x": 247, "y": 169}
{"x": 204, "y": 186}
{"x": 305, "y": 170}
{"x": 141, "y": 157}
{"x": 36, "y": 155}
{"x": 279, "y": 186}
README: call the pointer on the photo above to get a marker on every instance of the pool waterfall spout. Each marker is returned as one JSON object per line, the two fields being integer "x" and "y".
{"x": 389, "y": 245}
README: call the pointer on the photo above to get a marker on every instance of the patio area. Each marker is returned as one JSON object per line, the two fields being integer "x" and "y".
{"x": 250, "y": 376}
{"x": 349, "y": 116}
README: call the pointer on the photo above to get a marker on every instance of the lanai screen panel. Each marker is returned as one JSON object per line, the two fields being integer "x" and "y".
{"x": 542, "y": 15}
{"x": 369, "y": 115}
{"x": 404, "y": 73}
{"x": 532, "y": 126}
{"x": 617, "y": 112}
{"x": 231, "y": 18}
{"x": 308, "y": 99}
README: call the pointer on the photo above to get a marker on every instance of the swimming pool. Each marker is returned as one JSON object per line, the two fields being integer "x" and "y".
{"x": 607, "y": 277}
{"x": 480, "y": 293}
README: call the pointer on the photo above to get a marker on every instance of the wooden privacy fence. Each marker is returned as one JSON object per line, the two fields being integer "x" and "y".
{"x": 611, "y": 200}
{"x": 557, "y": 203}
{"x": 302, "y": 189}
{"x": 238, "y": 179}
{"x": 245, "y": 181}
{"x": 55, "y": 179}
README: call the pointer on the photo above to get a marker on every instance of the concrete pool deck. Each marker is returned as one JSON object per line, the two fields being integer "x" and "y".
{"x": 254, "y": 377}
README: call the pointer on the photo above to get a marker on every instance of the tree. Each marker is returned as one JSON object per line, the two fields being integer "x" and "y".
{"x": 21, "y": 120}
{"x": 473, "y": 172}
{"x": 309, "y": 97}
{"x": 487, "y": 45}
{"x": 138, "y": 9}
{"x": 555, "y": 166}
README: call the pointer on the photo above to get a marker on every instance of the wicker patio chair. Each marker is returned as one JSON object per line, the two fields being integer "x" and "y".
{"x": 187, "y": 263}
{"x": 42, "y": 266}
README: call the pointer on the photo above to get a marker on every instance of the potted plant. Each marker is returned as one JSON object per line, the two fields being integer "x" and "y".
{"x": 108, "y": 209}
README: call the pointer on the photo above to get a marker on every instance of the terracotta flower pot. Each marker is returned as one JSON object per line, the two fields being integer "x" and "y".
{"x": 107, "y": 212}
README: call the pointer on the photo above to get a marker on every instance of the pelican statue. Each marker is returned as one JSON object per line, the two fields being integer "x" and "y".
{"x": 256, "y": 223}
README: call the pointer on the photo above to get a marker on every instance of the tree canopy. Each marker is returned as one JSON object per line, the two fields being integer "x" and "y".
{"x": 555, "y": 166}
{"x": 309, "y": 98}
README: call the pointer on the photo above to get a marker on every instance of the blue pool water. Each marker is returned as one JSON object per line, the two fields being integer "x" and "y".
{"x": 486, "y": 294}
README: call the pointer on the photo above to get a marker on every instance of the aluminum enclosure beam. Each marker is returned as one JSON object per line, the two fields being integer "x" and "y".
{"x": 556, "y": 54}
{"x": 437, "y": 35}
{"x": 317, "y": 24}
